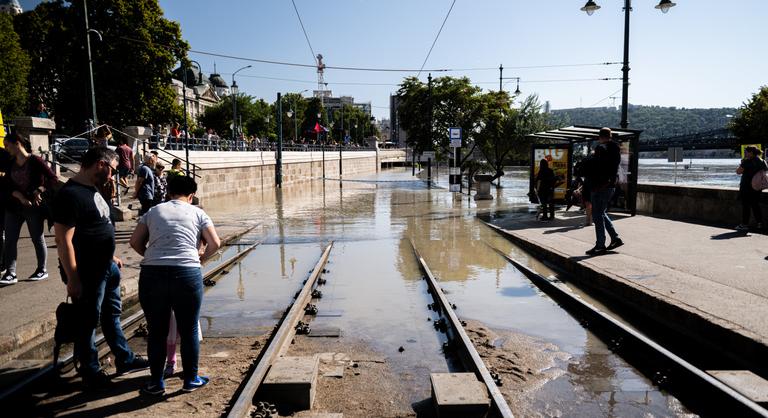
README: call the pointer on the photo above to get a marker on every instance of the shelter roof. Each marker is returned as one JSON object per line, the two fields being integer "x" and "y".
{"x": 581, "y": 133}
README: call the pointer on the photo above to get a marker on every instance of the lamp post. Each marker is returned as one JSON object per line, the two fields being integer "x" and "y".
{"x": 591, "y": 7}
{"x": 234, "y": 102}
{"x": 184, "y": 100}
{"x": 319, "y": 115}
{"x": 88, "y": 31}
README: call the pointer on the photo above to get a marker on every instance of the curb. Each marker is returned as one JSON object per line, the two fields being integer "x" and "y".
{"x": 674, "y": 320}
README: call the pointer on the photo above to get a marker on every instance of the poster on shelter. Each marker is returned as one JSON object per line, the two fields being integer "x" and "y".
{"x": 743, "y": 147}
{"x": 2, "y": 129}
{"x": 559, "y": 159}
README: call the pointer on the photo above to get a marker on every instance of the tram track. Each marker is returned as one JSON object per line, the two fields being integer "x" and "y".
{"x": 696, "y": 388}
{"x": 129, "y": 325}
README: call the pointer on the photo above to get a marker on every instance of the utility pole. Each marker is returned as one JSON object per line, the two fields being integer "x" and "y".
{"x": 279, "y": 157}
{"x": 90, "y": 62}
{"x": 625, "y": 67}
{"x": 429, "y": 162}
{"x": 501, "y": 75}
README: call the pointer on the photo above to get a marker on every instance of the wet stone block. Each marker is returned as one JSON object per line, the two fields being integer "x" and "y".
{"x": 459, "y": 395}
{"x": 291, "y": 381}
{"x": 745, "y": 382}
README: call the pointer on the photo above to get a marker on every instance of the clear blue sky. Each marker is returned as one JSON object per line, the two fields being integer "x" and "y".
{"x": 703, "y": 53}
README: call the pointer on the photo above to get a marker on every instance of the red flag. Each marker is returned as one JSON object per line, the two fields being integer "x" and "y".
{"x": 319, "y": 128}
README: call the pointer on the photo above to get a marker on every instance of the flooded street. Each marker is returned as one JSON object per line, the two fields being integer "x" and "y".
{"x": 375, "y": 295}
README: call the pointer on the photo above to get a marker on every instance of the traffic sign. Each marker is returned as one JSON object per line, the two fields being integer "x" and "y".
{"x": 427, "y": 155}
{"x": 454, "y": 134}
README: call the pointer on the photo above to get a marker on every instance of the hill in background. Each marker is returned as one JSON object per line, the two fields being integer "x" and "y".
{"x": 654, "y": 121}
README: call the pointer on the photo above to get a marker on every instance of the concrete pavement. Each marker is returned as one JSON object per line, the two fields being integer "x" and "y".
{"x": 28, "y": 308}
{"x": 706, "y": 282}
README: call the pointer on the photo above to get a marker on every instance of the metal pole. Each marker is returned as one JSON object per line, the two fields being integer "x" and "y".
{"x": 186, "y": 135}
{"x": 342, "y": 141}
{"x": 501, "y": 71}
{"x": 90, "y": 63}
{"x": 279, "y": 159}
{"x": 234, "y": 107}
{"x": 625, "y": 68}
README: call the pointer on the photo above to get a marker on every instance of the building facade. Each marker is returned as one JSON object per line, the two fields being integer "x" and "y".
{"x": 201, "y": 92}
{"x": 10, "y": 6}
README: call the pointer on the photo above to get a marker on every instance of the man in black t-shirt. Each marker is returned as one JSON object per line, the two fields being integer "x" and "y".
{"x": 603, "y": 177}
{"x": 85, "y": 240}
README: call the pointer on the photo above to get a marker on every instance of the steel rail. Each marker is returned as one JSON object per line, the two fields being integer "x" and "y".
{"x": 471, "y": 355}
{"x": 702, "y": 385}
{"x": 66, "y": 361}
{"x": 279, "y": 341}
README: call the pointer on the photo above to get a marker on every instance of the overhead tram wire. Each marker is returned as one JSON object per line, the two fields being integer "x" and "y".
{"x": 435, "y": 41}
{"x": 604, "y": 99}
{"x": 314, "y": 56}
{"x": 373, "y": 69}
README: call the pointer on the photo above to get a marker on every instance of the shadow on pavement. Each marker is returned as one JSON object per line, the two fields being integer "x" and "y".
{"x": 729, "y": 235}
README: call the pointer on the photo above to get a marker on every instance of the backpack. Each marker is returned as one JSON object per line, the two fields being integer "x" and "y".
{"x": 760, "y": 180}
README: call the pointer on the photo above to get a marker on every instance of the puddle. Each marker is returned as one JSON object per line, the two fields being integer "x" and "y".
{"x": 375, "y": 293}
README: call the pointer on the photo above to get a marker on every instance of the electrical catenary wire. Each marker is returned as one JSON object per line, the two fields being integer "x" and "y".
{"x": 436, "y": 37}
{"x": 298, "y": 15}
{"x": 351, "y": 68}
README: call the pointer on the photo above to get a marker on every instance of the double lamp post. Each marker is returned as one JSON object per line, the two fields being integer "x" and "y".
{"x": 591, "y": 7}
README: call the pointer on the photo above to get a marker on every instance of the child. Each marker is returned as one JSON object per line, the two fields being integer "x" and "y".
{"x": 171, "y": 341}
{"x": 161, "y": 184}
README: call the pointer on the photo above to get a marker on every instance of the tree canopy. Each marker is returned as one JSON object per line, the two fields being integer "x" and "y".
{"x": 492, "y": 127}
{"x": 751, "y": 124}
{"x": 132, "y": 62}
{"x": 13, "y": 71}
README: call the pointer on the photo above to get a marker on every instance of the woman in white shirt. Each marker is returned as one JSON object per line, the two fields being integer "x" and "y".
{"x": 174, "y": 237}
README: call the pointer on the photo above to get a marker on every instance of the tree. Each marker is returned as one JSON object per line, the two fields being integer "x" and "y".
{"x": 13, "y": 72}
{"x": 131, "y": 64}
{"x": 751, "y": 124}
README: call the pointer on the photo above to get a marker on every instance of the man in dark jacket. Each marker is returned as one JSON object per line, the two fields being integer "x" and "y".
{"x": 603, "y": 181}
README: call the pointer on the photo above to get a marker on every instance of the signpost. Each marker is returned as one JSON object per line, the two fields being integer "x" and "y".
{"x": 454, "y": 177}
{"x": 675, "y": 155}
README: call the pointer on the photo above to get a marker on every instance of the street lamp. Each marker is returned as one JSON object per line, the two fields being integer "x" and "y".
{"x": 88, "y": 31}
{"x": 234, "y": 101}
{"x": 319, "y": 115}
{"x": 184, "y": 100}
{"x": 590, "y": 7}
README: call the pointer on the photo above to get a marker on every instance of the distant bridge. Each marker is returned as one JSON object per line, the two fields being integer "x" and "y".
{"x": 707, "y": 140}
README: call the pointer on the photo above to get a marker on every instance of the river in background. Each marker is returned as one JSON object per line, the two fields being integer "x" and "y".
{"x": 719, "y": 172}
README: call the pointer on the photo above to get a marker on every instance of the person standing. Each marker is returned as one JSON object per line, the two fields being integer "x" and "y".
{"x": 545, "y": 188}
{"x": 30, "y": 176}
{"x": 144, "y": 189}
{"x": 174, "y": 237}
{"x": 174, "y": 136}
{"x": 750, "y": 198}
{"x": 103, "y": 135}
{"x": 161, "y": 184}
{"x": 85, "y": 241}
{"x": 125, "y": 163}
{"x": 176, "y": 169}
{"x": 603, "y": 183}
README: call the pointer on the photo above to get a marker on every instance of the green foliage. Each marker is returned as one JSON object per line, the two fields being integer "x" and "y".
{"x": 253, "y": 114}
{"x": 131, "y": 65}
{"x": 489, "y": 122}
{"x": 13, "y": 71}
{"x": 751, "y": 124}
{"x": 654, "y": 121}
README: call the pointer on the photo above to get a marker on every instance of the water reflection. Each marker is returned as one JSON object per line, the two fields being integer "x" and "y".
{"x": 375, "y": 285}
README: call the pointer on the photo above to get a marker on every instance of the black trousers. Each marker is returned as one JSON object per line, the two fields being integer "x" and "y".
{"x": 750, "y": 202}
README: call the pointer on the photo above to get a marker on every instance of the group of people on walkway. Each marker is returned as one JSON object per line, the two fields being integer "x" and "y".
{"x": 600, "y": 172}
{"x": 173, "y": 236}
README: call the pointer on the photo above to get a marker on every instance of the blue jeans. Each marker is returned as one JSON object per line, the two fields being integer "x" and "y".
{"x": 166, "y": 288}
{"x": 35, "y": 219}
{"x": 100, "y": 300}
{"x": 600, "y": 201}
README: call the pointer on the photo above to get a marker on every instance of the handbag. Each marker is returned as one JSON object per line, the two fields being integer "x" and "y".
{"x": 66, "y": 329}
{"x": 760, "y": 180}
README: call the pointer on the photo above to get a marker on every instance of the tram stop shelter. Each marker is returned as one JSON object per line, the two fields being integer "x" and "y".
{"x": 564, "y": 148}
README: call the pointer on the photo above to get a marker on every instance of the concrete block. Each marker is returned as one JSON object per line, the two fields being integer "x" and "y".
{"x": 745, "y": 382}
{"x": 292, "y": 381}
{"x": 459, "y": 395}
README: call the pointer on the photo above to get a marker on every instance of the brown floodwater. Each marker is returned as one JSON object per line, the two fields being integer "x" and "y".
{"x": 375, "y": 293}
